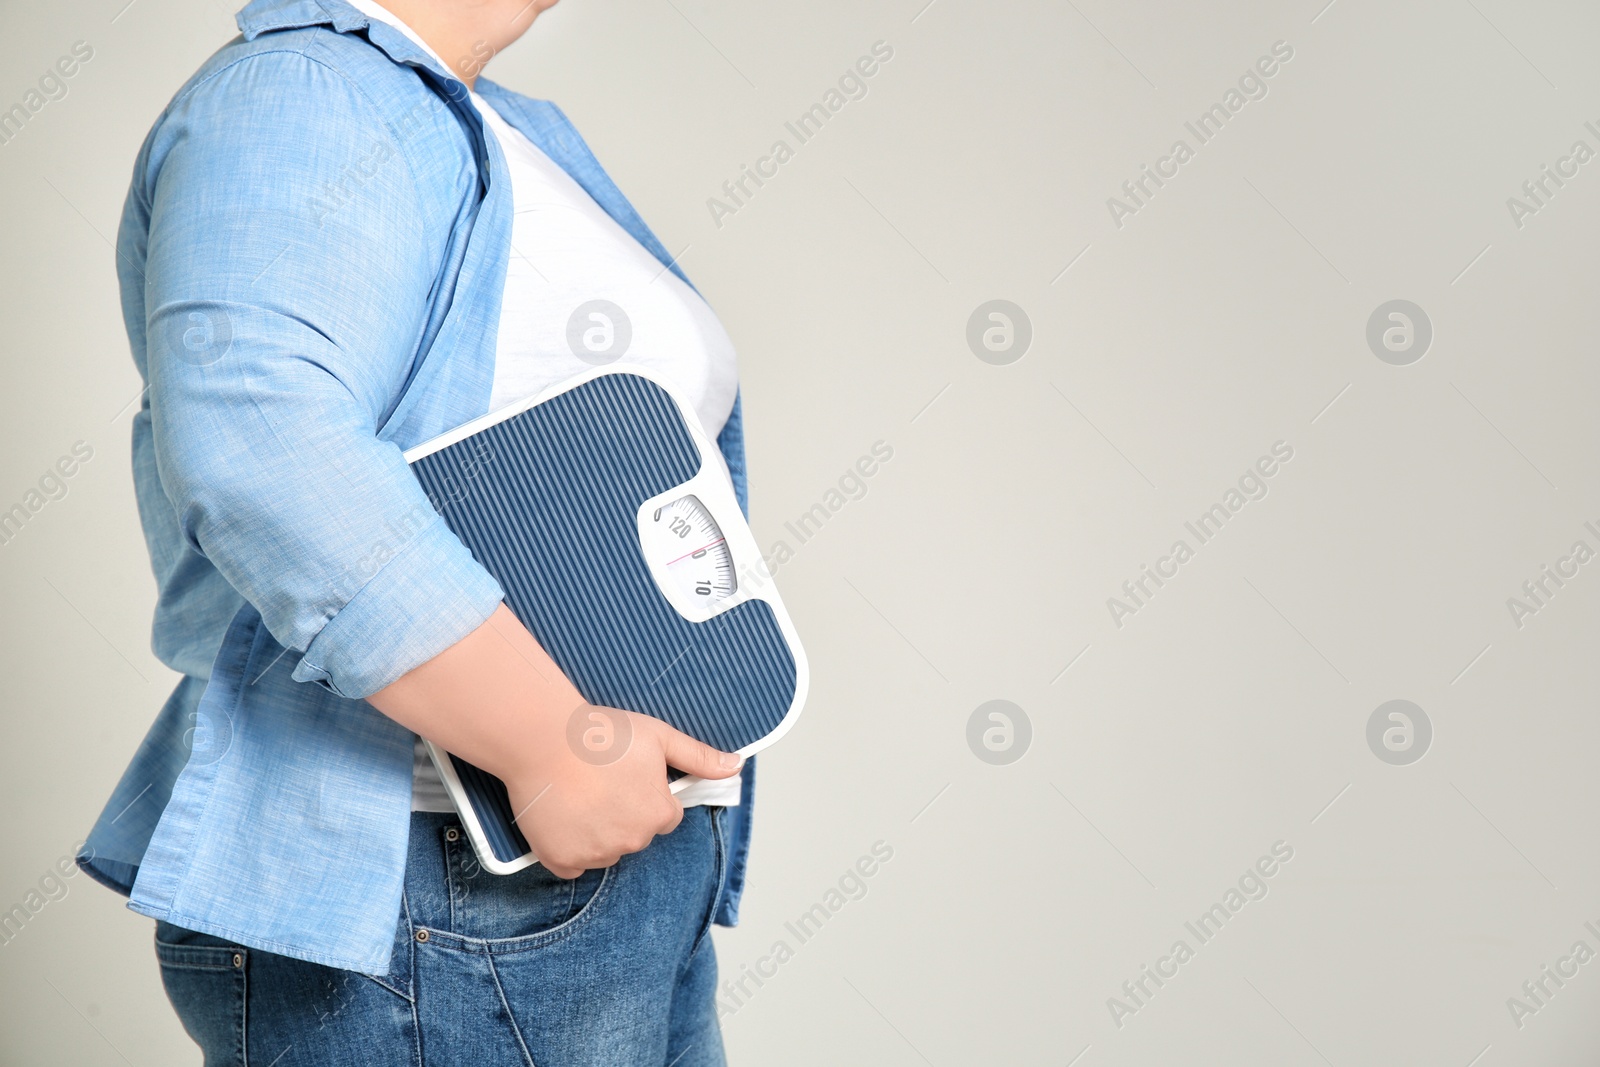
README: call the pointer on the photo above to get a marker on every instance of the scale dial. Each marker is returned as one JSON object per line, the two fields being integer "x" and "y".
{"x": 687, "y": 545}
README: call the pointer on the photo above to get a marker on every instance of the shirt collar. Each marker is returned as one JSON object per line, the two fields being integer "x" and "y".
{"x": 265, "y": 16}
{"x": 376, "y": 12}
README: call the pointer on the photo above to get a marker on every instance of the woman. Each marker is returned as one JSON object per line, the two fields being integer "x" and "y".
{"x": 340, "y": 242}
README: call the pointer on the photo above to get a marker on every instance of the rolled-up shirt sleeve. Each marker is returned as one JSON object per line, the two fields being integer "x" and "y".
{"x": 282, "y": 321}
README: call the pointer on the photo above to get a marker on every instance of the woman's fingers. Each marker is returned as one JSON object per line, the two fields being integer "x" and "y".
{"x": 696, "y": 757}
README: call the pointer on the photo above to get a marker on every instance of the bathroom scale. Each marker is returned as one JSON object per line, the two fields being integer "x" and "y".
{"x": 609, "y": 518}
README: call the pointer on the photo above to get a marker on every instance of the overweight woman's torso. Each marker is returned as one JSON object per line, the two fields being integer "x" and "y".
{"x": 580, "y": 291}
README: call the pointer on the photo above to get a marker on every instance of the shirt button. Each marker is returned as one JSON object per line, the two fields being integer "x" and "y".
{"x": 422, "y": 935}
{"x": 452, "y": 834}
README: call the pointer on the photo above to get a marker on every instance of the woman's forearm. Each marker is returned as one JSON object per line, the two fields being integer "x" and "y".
{"x": 495, "y": 698}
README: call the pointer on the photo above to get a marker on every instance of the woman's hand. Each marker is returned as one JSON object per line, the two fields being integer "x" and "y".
{"x": 588, "y": 784}
{"x": 601, "y": 792}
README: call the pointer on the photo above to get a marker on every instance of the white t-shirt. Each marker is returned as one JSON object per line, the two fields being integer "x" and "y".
{"x": 581, "y": 291}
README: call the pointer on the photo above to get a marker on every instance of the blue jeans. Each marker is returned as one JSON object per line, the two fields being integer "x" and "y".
{"x": 613, "y": 968}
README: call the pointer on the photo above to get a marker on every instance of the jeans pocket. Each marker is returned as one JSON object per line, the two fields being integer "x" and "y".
{"x": 522, "y": 906}
{"x": 204, "y": 977}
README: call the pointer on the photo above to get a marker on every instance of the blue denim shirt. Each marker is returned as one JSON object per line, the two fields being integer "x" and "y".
{"x": 311, "y": 259}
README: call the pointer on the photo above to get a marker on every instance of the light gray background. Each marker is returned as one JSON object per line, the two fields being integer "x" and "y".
{"x": 1228, "y": 314}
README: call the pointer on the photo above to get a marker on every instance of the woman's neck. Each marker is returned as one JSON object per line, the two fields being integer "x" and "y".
{"x": 466, "y": 35}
